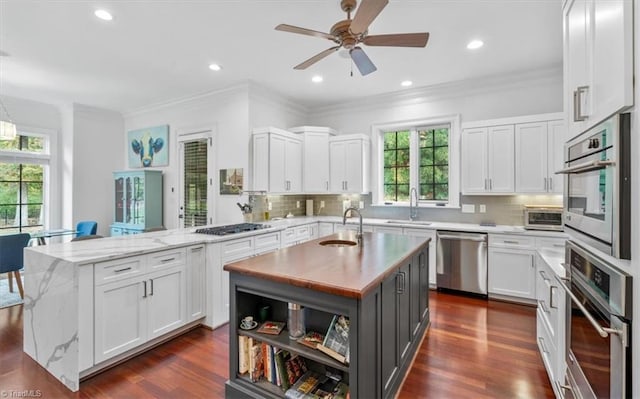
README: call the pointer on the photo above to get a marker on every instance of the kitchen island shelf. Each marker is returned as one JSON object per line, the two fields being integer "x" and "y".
{"x": 283, "y": 341}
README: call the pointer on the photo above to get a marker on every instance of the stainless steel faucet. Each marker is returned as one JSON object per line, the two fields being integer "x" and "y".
{"x": 413, "y": 210}
{"x": 344, "y": 221}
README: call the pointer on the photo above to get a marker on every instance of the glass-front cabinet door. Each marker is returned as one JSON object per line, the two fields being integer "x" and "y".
{"x": 138, "y": 201}
{"x": 119, "y": 200}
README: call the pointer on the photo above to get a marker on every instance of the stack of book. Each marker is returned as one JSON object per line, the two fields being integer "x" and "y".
{"x": 263, "y": 361}
{"x": 314, "y": 385}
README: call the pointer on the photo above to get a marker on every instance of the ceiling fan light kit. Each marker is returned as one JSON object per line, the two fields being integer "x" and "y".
{"x": 350, "y": 33}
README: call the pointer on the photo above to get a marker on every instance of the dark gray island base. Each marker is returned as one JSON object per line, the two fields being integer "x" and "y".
{"x": 382, "y": 287}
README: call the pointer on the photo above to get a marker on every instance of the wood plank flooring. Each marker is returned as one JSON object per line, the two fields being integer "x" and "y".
{"x": 473, "y": 349}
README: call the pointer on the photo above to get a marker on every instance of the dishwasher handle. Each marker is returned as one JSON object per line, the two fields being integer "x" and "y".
{"x": 477, "y": 238}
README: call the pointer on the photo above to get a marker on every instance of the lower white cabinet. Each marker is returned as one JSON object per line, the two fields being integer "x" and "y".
{"x": 196, "y": 279}
{"x": 325, "y": 229}
{"x": 512, "y": 273}
{"x": 297, "y": 235}
{"x": 137, "y": 300}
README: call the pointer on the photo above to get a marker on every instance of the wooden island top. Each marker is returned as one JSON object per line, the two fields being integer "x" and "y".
{"x": 349, "y": 271}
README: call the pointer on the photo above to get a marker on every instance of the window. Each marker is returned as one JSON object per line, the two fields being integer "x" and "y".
{"x": 421, "y": 155}
{"x": 23, "y": 168}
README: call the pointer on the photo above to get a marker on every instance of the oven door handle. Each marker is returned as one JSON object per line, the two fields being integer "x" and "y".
{"x": 586, "y": 167}
{"x": 603, "y": 331}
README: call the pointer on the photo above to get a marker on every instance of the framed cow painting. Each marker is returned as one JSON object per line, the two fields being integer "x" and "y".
{"x": 148, "y": 147}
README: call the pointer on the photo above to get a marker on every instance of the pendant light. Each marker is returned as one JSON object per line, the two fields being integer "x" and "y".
{"x": 8, "y": 129}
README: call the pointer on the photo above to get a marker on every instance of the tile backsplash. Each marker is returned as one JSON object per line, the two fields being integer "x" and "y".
{"x": 508, "y": 210}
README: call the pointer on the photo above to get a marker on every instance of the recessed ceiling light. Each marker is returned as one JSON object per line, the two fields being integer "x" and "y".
{"x": 406, "y": 83}
{"x": 104, "y": 15}
{"x": 317, "y": 79}
{"x": 215, "y": 67}
{"x": 475, "y": 44}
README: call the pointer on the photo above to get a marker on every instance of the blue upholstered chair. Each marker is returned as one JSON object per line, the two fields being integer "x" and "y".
{"x": 86, "y": 228}
{"x": 12, "y": 257}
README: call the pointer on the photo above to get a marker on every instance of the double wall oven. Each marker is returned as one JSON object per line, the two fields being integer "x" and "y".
{"x": 598, "y": 350}
{"x": 597, "y": 208}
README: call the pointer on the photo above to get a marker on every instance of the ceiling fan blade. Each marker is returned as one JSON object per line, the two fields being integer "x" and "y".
{"x": 398, "y": 40}
{"x": 362, "y": 61}
{"x": 304, "y": 31}
{"x": 365, "y": 14}
{"x": 316, "y": 58}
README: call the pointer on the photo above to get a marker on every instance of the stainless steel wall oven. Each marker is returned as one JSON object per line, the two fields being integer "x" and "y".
{"x": 597, "y": 208}
{"x": 599, "y": 309}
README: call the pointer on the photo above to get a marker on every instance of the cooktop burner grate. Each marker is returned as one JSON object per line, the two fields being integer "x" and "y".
{"x": 231, "y": 229}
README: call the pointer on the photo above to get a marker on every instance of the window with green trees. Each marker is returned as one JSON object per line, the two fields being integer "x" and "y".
{"x": 416, "y": 157}
{"x": 21, "y": 185}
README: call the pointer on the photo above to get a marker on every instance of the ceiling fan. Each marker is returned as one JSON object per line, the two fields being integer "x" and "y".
{"x": 349, "y": 33}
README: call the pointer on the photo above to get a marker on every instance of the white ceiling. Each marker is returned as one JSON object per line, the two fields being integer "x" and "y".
{"x": 155, "y": 51}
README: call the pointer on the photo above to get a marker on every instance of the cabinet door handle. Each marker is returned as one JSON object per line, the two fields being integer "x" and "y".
{"x": 551, "y": 184}
{"x": 545, "y": 184}
{"x": 167, "y": 260}
{"x": 551, "y": 305}
{"x": 122, "y": 270}
{"x": 400, "y": 283}
{"x": 144, "y": 283}
{"x": 490, "y": 184}
{"x": 544, "y": 275}
{"x": 544, "y": 348}
{"x": 151, "y": 291}
{"x": 346, "y": 185}
{"x": 327, "y": 182}
{"x": 543, "y": 306}
{"x": 577, "y": 103}
{"x": 197, "y": 249}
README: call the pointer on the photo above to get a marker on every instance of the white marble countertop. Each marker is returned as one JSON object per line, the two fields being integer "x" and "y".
{"x": 90, "y": 251}
{"x": 554, "y": 259}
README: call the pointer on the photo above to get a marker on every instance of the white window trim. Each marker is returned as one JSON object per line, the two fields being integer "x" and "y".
{"x": 48, "y": 158}
{"x": 377, "y": 137}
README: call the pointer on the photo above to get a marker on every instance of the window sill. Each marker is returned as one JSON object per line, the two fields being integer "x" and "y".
{"x": 420, "y": 206}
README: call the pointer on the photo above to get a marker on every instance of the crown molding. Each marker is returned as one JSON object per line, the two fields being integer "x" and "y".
{"x": 444, "y": 91}
{"x": 266, "y": 95}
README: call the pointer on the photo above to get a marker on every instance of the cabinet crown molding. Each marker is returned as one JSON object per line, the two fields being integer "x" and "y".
{"x": 514, "y": 120}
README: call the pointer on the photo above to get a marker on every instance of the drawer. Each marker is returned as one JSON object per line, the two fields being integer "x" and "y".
{"x": 166, "y": 259}
{"x": 236, "y": 249}
{"x": 551, "y": 243}
{"x": 302, "y": 233}
{"x": 118, "y": 269}
{"x": 511, "y": 241}
{"x": 271, "y": 240}
{"x": 547, "y": 348}
{"x": 420, "y": 233}
{"x": 388, "y": 230}
{"x": 289, "y": 235}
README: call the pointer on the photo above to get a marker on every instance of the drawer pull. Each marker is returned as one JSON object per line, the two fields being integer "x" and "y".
{"x": 511, "y": 242}
{"x": 544, "y": 348}
{"x": 543, "y": 307}
{"x": 551, "y": 297}
{"x": 168, "y": 260}
{"x": 544, "y": 276}
{"x": 122, "y": 270}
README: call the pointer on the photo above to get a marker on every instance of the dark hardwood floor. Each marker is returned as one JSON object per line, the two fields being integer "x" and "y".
{"x": 473, "y": 349}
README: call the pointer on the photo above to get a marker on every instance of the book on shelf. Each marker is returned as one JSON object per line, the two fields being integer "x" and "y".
{"x": 271, "y": 327}
{"x": 313, "y": 385}
{"x": 281, "y": 357}
{"x": 311, "y": 339}
{"x": 243, "y": 354}
{"x": 256, "y": 365}
{"x": 336, "y": 340}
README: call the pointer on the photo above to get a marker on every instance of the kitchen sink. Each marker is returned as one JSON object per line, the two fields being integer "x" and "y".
{"x": 415, "y": 222}
{"x": 338, "y": 243}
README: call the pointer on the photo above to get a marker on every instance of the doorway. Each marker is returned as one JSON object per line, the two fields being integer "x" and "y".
{"x": 195, "y": 187}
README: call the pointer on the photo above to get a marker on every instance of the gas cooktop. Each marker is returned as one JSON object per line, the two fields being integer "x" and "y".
{"x": 232, "y": 229}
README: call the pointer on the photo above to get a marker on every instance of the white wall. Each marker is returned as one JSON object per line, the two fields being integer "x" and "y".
{"x": 535, "y": 92}
{"x": 231, "y": 113}
{"x": 97, "y": 152}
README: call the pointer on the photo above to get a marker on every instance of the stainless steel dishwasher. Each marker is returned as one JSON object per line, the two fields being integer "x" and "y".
{"x": 461, "y": 261}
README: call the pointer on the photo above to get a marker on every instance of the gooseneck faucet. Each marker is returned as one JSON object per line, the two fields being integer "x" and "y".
{"x": 413, "y": 211}
{"x": 344, "y": 221}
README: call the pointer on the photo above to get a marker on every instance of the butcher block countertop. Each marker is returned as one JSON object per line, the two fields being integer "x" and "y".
{"x": 346, "y": 271}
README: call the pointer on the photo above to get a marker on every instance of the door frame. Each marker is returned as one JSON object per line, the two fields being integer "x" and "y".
{"x": 185, "y": 135}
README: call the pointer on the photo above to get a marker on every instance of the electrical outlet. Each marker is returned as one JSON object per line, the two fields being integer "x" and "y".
{"x": 297, "y": 204}
{"x": 361, "y": 205}
{"x": 321, "y": 204}
{"x": 483, "y": 208}
{"x": 468, "y": 208}
{"x": 270, "y": 206}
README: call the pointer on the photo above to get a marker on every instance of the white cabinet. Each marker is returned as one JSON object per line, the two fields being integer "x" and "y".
{"x": 325, "y": 229}
{"x": 136, "y": 300}
{"x": 512, "y": 268}
{"x": 277, "y": 161}
{"x": 217, "y": 281}
{"x": 296, "y": 235}
{"x": 196, "y": 278}
{"x": 488, "y": 160}
{"x": 315, "y": 157}
{"x": 432, "y": 249}
{"x": 349, "y": 163}
{"x": 539, "y": 154}
{"x": 598, "y": 60}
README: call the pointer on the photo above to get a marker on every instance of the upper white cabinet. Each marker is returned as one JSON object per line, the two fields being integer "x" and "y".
{"x": 539, "y": 153}
{"x": 598, "y": 60}
{"x": 277, "y": 161}
{"x": 349, "y": 163}
{"x": 513, "y": 155}
{"x": 487, "y": 154}
{"x": 315, "y": 157}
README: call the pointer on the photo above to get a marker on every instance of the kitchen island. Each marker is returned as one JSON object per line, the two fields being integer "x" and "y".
{"x": 381, "y": 286}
